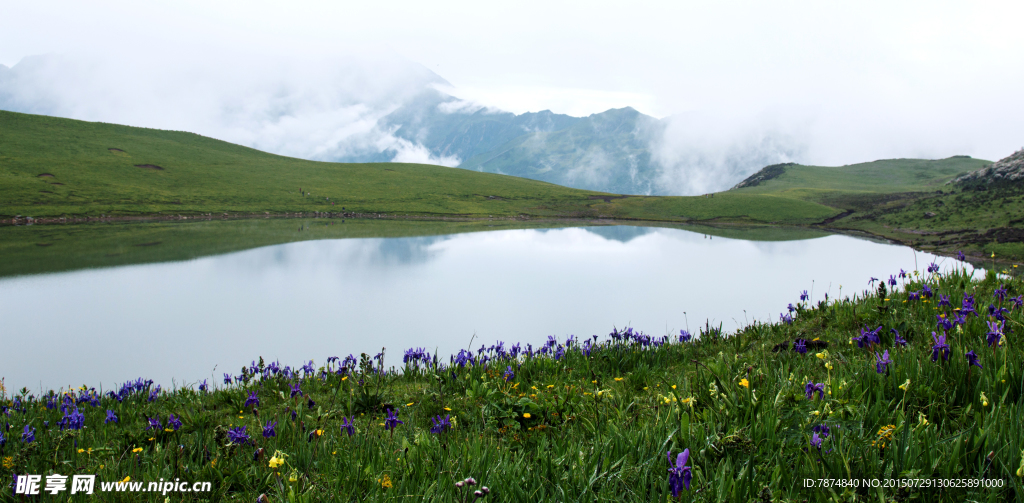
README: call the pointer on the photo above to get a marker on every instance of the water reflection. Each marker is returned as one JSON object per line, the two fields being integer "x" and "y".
{"x": 314, "y": 299}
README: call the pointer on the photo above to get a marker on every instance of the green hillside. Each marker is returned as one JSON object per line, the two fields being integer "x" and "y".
{"x": 52, "y": 167}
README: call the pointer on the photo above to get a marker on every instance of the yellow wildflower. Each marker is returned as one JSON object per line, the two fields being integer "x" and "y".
{"x": 8, "y": 462}
{"x": 922, "y": 419}
{"x": 984, "y": 399}
{"x": 905, "y": 386}
{"x": 448, "y": 409}
{"x": 385, "y": 482}
{"x": 828, "y": 365}
{"x": 618, "y": 379}
{"x": 276, "y": 462}
{"x": 409, "y": 404}
{"x": 745, "y": 383}
{"x": 344, "y": 378}
{"x": 294, "y": 477}
{"x": 673, "y": 386}
{"x": 126, "y": 479}
{"x": 526, "y": 415}
{"x": 551, "y": 386}
{"x": 81, "y": 451}
{"x": 137, "y": 449}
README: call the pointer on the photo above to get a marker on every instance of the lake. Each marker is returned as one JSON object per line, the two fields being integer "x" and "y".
{"x": 181, "y": 321}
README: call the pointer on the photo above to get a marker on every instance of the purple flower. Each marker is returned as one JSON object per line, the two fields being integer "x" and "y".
{"x": 1018, "y": 301}
{"x": 960, "y": 256}
{"x": 811, "y": 388}
{"x": 391, "y": 421}
{"x": 1000, "y": 293}
{"x": 800, "y": 346}
{"x": 972, "y": 359}
{"x": 967, "y": 305}
{"x": 227, "y": 379}
{"x": 868, "y": 336}
{"x": 253, "y": 400}
{"x": 296, "y": 390}
{"x": 914, "y": 296}
{"x": 268, "y": 430}
{"x": 786, "y": 318}
{"x": 940, "y": 346}
{"x": 892, "y": 280}
{"x": 903, "y": 274}
{"x": 311, "y": 403}
{"x": 3, "y": 439}
{"x": 804, "y": 296}
{"x": 111, "y": 417}
{"x": 823, "y": 429}
{"x": 28, "y": 435}
{"x": 173, "y": 422}
{"x": 927, "y": 291}
{"x": 882, "y": 362}
{"x": 943, "y": 300}
{"x": 202, "y": 386}
{"x": 679, "y": 476}
{"x": 441, "y": 425}
{"x": 154, "y": 423}
{"x": 995, "y": 332}
{"x": 509, "y": 375}
{"x": 997, "y": 312}
{"x": 816, "y": 441}
{"x": 933, "y": 267}
{"x": 237, "y": 436}
{"x": 899, "y": 340}
{"x": 942, "y": 322}
{"x": 791, "y": 308}
{"x": 684, "y": 336}
{"x": 348, "y": 425}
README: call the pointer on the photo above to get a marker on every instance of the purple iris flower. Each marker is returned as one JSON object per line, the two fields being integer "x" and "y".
{"x": 311, "y": 403}
{"x": 927, "y": 291}
{"x": 269, "y": 430}
{"x": 74, "y": 420}
{"x": 1018, "y": 301}
{"x": 509, "y": 375}
{"x": 237, "y": 436}
{"x": 943, "y": 300}
{"x": 154, "y": 423}
{"x": 28, "y": 435}
{"x": 296, "y": 390}
{"x": 791, "y": 308}
{"x": 940, "y": 346}
{"x": 816, "y": 441}
{"x": 943, "y": 322}
{"x": 1000, "y": 293}
{"x": 441, "y": 425}
{"x": 960, "y": 256}
{"x": 680, "y": 475}
{"x": 111, "y": 417}
{"x": 227, "y": 379}
{"x": 903, "y": 274}
{"x": 823, "y": 429}
{"x": 800, "y": 346}
{"x": 933, "y": 267}
{"x": 914, "y": 296}
{"x": 872, "y": 281}
{"x": 868, "y": 336}
{"x": 995, "y": 332}
{"x": 202, "y": 386}
{"x": 348, "y": 425}
{"x": 811, "y": 388}
{"x": 892, "y": 280}
{"x": 253, "y": 400}
{"x": 997, "y": 312}
{"x": 3, "y": 439}
{"x": 882, "y": 362}
{"x": 173, "y": 422}
{"x": 391, "y": 421}
{"x": 967, "y": 305}
{"x": 972, "y": 359}
{"x": 899, "y": 340}
{"x": 786, "y": 318}
{"x": 804, "y": 296}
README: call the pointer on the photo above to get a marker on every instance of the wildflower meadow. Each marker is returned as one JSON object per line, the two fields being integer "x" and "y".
{"x": 915, "y": 383}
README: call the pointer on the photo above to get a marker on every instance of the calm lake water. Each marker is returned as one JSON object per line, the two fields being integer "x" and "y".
{"x": 179, "y": 322}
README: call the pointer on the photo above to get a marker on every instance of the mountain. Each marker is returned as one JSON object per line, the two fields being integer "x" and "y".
{"x": 609, "y": 151}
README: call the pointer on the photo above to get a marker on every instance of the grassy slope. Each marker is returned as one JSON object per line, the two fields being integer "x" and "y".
{"x": 202, "y": 175}
{"x": 908, "y": 200}
{"x": 595, "y": 426}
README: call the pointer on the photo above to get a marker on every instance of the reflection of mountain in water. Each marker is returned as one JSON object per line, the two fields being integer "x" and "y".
{"x": 621, "y": 233}
{"x": 406, "y": 251}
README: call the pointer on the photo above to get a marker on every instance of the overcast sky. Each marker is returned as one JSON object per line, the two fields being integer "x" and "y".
{"x": 855, "y": 81}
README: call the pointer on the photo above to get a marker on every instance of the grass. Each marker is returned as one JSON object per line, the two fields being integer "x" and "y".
{"x": 587, "y": 420}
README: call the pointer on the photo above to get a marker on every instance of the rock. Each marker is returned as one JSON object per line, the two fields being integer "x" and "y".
{"x": 1009, "y": 168}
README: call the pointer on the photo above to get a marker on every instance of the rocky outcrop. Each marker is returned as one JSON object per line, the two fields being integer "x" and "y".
{"x": 766, "y": 173}
{"x": 1007, "y": 169}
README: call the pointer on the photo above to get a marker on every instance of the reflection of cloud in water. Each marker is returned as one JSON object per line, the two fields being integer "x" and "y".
{"x": 368, "y": 252}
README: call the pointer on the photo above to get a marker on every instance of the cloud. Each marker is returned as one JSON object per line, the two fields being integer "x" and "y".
{"x": 320, "y": 108}
{"x": 700, "y": 153}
